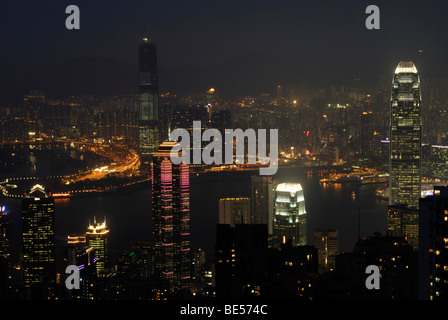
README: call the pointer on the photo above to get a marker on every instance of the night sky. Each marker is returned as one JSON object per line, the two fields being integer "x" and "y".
{"x": 283, "y": 37}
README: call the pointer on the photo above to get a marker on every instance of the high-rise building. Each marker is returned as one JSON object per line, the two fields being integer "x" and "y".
{"x": 395, "y": 259}
{"x": 405, "y": 137}
{"x": 290, "y": 214}
{"x": 171, "y": 219}
{"x": 83, "y": 256}
{"x": 433, "y": 249}
{"x": 439, "y": 161}
{"x": 97, "y": 238}
{"x": 403, "y": 222}
{"x": 183, "y": 118}
{"x": 366, "y": 133}
{"x": 5, "y": 253}
{"x": 234, "y": 210}
{"x": 326, "y": 242}
{"x": 38, "y": 246}
{"x": 240, "y": 260}
{"x": 5, "y": 220}
{"x": 148, "y": 99}
{"x": 262, "y": 201}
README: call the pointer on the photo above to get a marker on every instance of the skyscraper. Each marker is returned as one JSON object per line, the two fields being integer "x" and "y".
{"x": 403, "y": 222}
{"x": 5, "y": 219}
{"x": 38, "y": 247}
{"x": 234, "y": 210}
{"x": 290, "y": 214}
{"x": 83, "y": 256}
{"x": 171, "y": 219}
{"x": 97, "y": 238}
{"x": 433, "y": 250}
{"x": 5, "y": 253}
{"x": 148, "y": 99}
{"x": 262, "y": 201}
{"x": 405, "y": 137}
{"x": 183, "y": 116}
{"x": 240, "y": 260}
{"x": 326, "y": 242}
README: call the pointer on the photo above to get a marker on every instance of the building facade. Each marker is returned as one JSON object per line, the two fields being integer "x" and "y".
{"x": 290, "y": 214}
{"x": 171, "y": 219}
{"x": 403, "y": 222}
{"x": 97, "y": 238}
{"x": 433, "y": 249}
{"x": 326, "y": 242}
{"x": 234, "y": 210}
{"x": 38, "y": 246}
{"x": 262, "y": 197}
{"x": 148, "y": 100}
{"x": 405, "y": 137}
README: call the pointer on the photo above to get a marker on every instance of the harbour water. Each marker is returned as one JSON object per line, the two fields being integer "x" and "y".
{"x": 352, "y": 209}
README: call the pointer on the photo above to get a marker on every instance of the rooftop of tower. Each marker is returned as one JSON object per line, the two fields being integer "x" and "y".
{"x": 406, "y": 67}
{"x": 289, "y": 187}
{"x": 38, "y": 191}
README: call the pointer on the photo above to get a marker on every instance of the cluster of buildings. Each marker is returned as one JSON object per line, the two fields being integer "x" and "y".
{"x": 261, "y": 247}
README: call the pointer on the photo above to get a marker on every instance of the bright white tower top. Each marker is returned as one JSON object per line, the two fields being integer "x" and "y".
{"x": 406, "y": 67}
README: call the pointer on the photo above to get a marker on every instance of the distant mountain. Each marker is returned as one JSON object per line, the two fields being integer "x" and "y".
{"x": 255, "y": 73}
{"x": 249, "y": 73}
{"x": 87, "y": 75}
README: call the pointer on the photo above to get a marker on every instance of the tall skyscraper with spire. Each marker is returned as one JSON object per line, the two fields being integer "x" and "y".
{"x": 148, "y": 99}
{"x": 405, "y": 137}
{"x": 171, "y": 219}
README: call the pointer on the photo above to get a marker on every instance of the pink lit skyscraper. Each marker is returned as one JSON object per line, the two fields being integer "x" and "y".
{"x": 171, "y": 219}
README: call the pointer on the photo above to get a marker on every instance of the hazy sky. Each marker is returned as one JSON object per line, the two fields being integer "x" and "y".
{"x": 201, "y": 33}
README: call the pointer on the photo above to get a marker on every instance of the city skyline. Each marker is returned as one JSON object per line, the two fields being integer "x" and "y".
{"x": 355, "y": 210}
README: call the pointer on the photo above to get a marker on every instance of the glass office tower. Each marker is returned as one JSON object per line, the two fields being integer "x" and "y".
{"x": 290, "y": 214}
{"x": 405, "y": 137}
{"x": 97, "y": 238}
{"x": 171, "y": 219}
{"x": 38, "y": 247}
{"x": 148, "y": 99}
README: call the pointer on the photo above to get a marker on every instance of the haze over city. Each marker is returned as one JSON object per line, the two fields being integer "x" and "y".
{"x": 98, "y": 202}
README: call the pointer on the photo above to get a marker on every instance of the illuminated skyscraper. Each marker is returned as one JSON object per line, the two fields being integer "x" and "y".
{"x": 148, "y": 98}
{"x": 171, "y": 219}
{"x": 97, "y": 238}
{"x": 290, "y": 214}
{"x": 433, "y": 249}
{"x": 38, "y": 246}
{"x": 403, "y": 222}
{"x": 83, "y": 256}
{"x": 5, "y": 253}
{"x": 405, "y": 137}
{"x": 5, "y": 219}
{"x": 439, "y": 161}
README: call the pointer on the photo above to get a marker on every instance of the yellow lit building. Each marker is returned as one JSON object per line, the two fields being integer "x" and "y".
{"x": 38, "y": 248}
{"x": 97, "y": 238}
